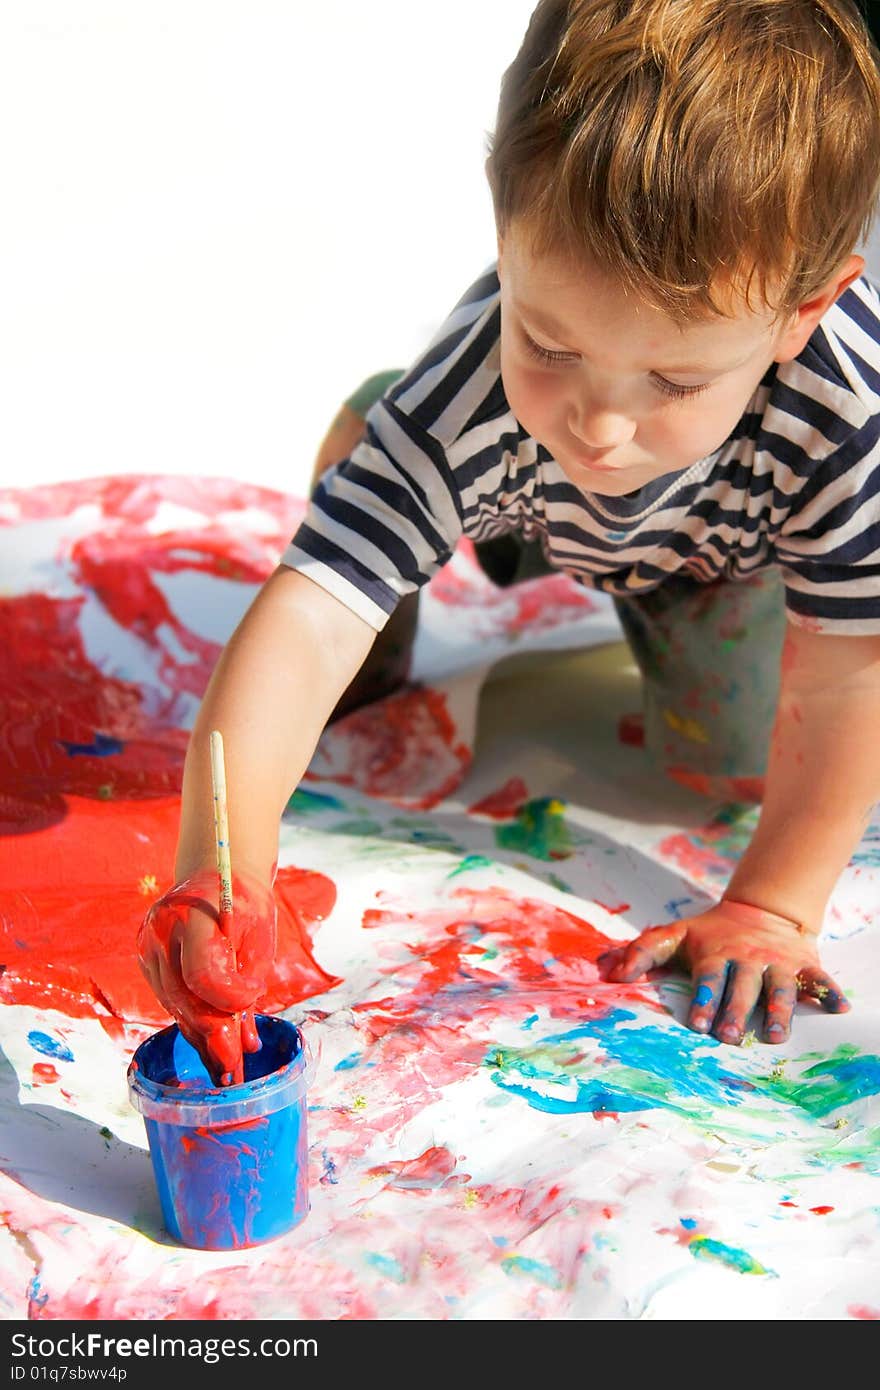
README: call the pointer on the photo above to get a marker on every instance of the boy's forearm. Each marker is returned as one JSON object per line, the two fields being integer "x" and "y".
{"x": 271, "y": 693}
{"x": 823, "y": 778}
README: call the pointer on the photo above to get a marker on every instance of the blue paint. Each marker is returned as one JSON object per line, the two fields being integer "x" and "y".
{"x": 348, "y": 1062}
{"x": 665, "y": 1066}
{"x": 674, "y": 906}
{"x": 50, "y": 1047}
{"x": 530, "y": 1021}
{"x": 532, "y": 1269}
{"x": 102, "y": 747}
{"x": 690, "y": 1063}
{"x": 35, "y": 1294}
{"x": 688, "y": 1222}
{"x": 588, "y": 1096}
{"x": 230, "y": 1163}
{"x": 329, "y": 1173}
{"x": 387, "y": 1265}
{"x": 703, "y": 996}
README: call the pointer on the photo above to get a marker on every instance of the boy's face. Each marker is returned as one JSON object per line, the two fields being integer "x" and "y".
{"x": 627, "y": 396}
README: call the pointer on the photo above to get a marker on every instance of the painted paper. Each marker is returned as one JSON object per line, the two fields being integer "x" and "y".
{"x": 494, "y": 1132}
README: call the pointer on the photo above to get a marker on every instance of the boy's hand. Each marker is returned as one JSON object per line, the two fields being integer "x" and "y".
{"x": 207, "y": 983}
{"x": 738, "y": 955}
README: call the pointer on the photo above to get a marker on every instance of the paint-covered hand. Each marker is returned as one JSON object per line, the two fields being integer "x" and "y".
{"x": 207, "y": 981}
{"x": 739, "y": 957}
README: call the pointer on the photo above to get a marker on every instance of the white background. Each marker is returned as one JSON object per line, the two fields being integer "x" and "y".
{"x": 218, "y": 218}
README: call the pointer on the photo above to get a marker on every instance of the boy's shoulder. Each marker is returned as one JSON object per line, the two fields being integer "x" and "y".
{"x": 841, "y": 360}
{"x": 456, "y": 381}
{"x": 825, "y": 403}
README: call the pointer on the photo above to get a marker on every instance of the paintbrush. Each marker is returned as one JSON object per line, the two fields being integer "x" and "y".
{"x": 224, "y": 865}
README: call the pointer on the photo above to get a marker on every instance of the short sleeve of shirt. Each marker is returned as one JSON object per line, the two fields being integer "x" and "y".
{"x": 382, "y": 522}
{"x": 828, "y": 548}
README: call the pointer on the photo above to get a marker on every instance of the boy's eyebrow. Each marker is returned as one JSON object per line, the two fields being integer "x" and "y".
{"x": 548, "y": 325}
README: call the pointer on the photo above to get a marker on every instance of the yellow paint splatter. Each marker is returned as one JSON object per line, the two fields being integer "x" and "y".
{"x": 148, "y": 885}
{"x": 359, "y": 1103}
{"x": 777, "y": 1071}
{"x": 750, "y": 1038}
{"x": 688, "y": 728}
{"x": 471, "y": 1199}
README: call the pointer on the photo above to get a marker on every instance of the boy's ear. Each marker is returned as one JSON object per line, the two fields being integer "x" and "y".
{"x": 808, "y": 314}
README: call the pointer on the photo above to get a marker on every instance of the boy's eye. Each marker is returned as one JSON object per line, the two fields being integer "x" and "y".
{"x": 674, "y": 389}
{"x": 544, "y": 354}
{"x": 669, "y": 388}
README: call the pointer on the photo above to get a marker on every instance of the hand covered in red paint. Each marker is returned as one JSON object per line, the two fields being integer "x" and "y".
{"x": 209, "y": 983}
{"x": 738, "y": 956}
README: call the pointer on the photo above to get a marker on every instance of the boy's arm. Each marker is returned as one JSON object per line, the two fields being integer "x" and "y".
{"x": 273, "y": 689}
{"x": 823, "y": 778}
{"x": 271, "y": 693}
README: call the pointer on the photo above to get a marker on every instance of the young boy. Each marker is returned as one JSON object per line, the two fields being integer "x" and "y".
{"x": 668, "y": 387}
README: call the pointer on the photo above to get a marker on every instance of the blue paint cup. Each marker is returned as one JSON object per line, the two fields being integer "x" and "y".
{"x": 230, "y": 1162}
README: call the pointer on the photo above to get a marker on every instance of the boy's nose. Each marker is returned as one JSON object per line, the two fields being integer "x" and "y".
{"x": 599, "y": 428}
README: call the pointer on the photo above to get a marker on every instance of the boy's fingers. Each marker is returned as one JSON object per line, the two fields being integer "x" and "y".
{"x": 651, "y": 948}
{"x": 250, "y": 1038}
{"x": 208, "y": 967}
{"x": 710, "y": 981}
{"x": 744, "y": 986}
{"x": 813, "y": 983}
{"x": 780, "y": 995}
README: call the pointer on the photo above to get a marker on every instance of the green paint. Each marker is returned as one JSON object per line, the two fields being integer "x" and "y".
{"x": 362, "y": 828}
{"x": 524, "y": 1268}
{"x": 470, "y": 861}
{"x": 556, "y": 882}
{"x": 702, "y": 1248}
{"x": 304, "y": 803}
{"x": 539, "y": 830}
{"x": 842, "y": 1077}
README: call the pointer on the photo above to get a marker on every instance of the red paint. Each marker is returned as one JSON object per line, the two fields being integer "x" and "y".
{"x": 435, "y": 1168}
{"x": 541, "y": 604}
{"x": 606, "y": 1115}
{"x": 619, "y": 907}
{"x": 504, "y": 803}
{"x": 87, "y": 841}
{"x": 863, "y": 1312}
{"x": 631, "y": 730}
{"x": 746, "y": 789}
{"x": 821, "y": 1211}
{"x": 403, "y": 749}
{"x": 72, "y": 902}
{"x": 44, "y": 1073}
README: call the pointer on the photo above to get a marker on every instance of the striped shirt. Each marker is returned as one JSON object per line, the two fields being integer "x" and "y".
{"x": 796, "y": 484}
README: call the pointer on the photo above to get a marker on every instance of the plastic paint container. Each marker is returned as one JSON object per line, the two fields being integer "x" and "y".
{"x": 230, "y": 1162}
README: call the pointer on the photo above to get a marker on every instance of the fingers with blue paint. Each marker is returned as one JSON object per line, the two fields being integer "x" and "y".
{"x": 780, "y": 997}
{"x": 745, "y": 983}
{"x": 709, "y": 990}
{"x": 814, "y": 984}
{"x": 740, "y": 957}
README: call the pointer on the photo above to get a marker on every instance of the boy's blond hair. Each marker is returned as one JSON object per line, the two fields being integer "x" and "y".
{"x": 693, "y": 146}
